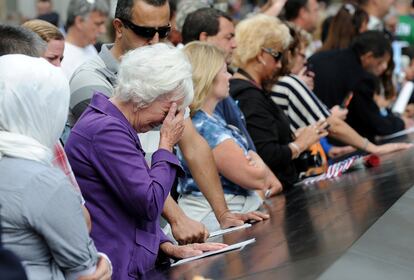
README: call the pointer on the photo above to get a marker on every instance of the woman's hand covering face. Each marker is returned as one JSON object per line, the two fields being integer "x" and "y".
{"x": 172, "y": 128}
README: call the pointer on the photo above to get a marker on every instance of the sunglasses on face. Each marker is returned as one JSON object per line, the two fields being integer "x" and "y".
{"x": 147, "y": 32}
{"x": 276, "y": 55}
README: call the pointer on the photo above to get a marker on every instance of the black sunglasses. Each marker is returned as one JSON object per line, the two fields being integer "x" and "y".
{"x": 147, "y": 32}
{"x": 276, "y": 55}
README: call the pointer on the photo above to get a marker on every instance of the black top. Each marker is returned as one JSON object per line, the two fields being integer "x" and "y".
{"x": 269, "y": 128}
{"x": 339, "y": 72}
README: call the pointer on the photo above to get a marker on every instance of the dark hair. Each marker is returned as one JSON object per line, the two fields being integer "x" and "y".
{"x": 383, "y": 85}
{"x": 292, "y": 8}
{"x": 293, "y": 46}
{"x": 408, "y": 51}
{"x": 173, "y": 8}
{"x": 124, "y": 7}
{"x": 19, "y": 40}
{"x": 298, "y": 39}
{"x": 173, "y": 5}
{"x": 344, "y": 26}
{"x": 202, "y": 20}
{"x": 361, "y": 2}
{"x": 386, "y": 79}
{"x": 325, "y": 28}
{"x": 371, "y": 41}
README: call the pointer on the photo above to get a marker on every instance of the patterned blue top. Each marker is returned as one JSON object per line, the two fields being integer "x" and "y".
{"x": 214, "y": 130}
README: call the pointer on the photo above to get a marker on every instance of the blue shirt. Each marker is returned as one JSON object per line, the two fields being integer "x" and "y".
{"x": 214, "y": 130}
{"x": 228, "y": 110}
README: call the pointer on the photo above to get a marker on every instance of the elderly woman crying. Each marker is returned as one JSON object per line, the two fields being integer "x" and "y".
{"x": 123, "y": 194}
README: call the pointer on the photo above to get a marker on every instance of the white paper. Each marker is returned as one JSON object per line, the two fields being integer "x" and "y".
{"x": 397, "y": 134}
{"x": 227, "y": 230}
{"x": 239, "y": 245}
{"x": 403, "y": 98}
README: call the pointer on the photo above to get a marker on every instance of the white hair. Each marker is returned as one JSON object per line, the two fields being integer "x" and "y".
{"x": 152, "y": 72}
{"x": 83, "y": 8}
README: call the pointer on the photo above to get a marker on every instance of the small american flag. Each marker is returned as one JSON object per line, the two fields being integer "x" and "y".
{"x": 334, "y": 170}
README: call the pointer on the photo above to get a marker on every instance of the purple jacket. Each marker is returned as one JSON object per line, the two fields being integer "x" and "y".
{"x": 123, "y": 195}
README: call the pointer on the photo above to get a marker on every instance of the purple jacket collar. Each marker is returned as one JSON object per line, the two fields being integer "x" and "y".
{"x": 101, "y": 103}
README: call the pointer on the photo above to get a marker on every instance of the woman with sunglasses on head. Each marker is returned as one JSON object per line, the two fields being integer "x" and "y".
{"x": 241, "y": 170}
{"x": 260, "y": 43}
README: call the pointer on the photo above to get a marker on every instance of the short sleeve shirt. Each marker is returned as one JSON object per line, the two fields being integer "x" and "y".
{"x": 215, "y": 131}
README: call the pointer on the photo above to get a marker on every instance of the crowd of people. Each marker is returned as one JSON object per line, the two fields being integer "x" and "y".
{"x": 117, "y": 157}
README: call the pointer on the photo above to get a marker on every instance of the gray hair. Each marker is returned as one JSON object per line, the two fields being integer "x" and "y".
{"x": 20, "y": 40}
{"x": 152, "y": 72}
{"x": 186, "y": 7}
{"x": 83, "y": 8}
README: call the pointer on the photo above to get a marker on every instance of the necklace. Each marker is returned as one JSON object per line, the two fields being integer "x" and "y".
{"x": 248, "y": 76}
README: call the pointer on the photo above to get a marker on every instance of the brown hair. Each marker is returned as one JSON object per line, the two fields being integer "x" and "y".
{"x": 345, "y": 25}
{"x": 44, "y": 29}
{"x": 299, "y": 38}
{"x": 386, "y": 80}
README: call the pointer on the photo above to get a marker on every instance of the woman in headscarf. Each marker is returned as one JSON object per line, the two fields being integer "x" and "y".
{"x": 54, "y": 54}
{"x": 41, "y": 216}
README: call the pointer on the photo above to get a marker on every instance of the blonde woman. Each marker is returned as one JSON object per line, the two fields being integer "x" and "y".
{"x": 241, "y": 171}
{"x": 261, "y": 40}
{"x": 52, "y": 36}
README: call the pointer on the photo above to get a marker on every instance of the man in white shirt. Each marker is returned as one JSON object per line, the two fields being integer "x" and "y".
{"x": 85, "y": 23}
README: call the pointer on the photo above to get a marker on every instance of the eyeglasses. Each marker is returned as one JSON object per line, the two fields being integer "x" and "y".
{"x": 147, "y": 32}
{"x": 276, "y": 55}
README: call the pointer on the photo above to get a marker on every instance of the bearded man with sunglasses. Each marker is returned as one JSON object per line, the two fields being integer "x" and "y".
{"x": 139, "y": 23}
